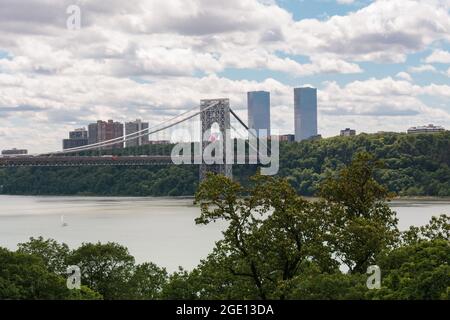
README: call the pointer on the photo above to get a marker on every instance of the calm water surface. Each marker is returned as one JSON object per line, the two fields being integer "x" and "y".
{"x": 161, "y": 230}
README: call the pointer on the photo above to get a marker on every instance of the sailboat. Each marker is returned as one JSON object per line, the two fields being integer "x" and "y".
{"x": 63, "y": 224}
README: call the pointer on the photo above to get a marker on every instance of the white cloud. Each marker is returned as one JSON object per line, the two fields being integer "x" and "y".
{"x": 259, "y": 59}
{"x": 383, "y": 31}
{"x": 378, "y": 105}
{"x": 423, "y": 68}
{"x": 386, "y": 31}
{"x": 437, "y": 90}
{"x": 404, "y": 76}
{"x": 438, "y": 56}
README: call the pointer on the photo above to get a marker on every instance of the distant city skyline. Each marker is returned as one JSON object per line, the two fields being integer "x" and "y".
{"x": 378, "y": 65}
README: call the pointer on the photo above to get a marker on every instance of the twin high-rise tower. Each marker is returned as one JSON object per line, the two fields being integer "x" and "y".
{"x": 305, "y": 112}
{"x": 258, "y": 108}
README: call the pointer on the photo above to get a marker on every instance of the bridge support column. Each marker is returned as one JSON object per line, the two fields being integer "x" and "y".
{"x": 220, "y": 115}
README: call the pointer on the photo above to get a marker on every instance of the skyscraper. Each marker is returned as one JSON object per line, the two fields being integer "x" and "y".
{"x": 305, "y": 110}
{"x": 135, "y": 126}
{"x": 258, "y": 107}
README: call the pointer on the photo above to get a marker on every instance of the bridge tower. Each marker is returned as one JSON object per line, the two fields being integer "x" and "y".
{"x": 219, "y": 114}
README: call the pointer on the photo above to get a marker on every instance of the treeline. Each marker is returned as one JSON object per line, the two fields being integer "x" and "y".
{"x": 101, "y": 181}
{"x": 37, "y": 270}
{"x": 413, "y": 165}
{"x": 277, "y": 245}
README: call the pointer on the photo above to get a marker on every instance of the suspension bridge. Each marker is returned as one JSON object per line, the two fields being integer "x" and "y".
{"x": 211, "y": 112}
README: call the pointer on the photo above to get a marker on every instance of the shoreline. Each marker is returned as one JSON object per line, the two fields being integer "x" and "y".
{"x": 395, "y": 199}
{"x": 420, "y": 198}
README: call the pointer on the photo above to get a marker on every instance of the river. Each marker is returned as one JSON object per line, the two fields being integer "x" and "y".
{"x": 160, "y": 230}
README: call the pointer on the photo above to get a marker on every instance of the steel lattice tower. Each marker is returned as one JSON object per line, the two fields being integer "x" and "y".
{"x": 219, "y": 114}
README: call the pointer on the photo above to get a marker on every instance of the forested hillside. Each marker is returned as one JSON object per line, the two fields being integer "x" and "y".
{"x": 414, "y": 165}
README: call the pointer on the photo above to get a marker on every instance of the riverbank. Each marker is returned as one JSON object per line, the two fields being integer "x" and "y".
{"x": 397, "y": 198}
{"x": 420, "y": 198}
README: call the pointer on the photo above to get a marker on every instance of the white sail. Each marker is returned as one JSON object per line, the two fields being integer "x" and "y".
{"x": 62, "y": 222}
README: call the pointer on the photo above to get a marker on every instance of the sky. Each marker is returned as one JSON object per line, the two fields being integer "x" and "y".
{"x": 380, "y": 65}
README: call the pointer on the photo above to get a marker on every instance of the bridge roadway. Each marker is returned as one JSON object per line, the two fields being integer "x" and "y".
{"x": 76, "y": 161}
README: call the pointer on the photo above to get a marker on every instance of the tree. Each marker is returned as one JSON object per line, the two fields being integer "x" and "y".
{"x": 183, "y": 285}
{"x": 355, "y": 188}
{"x": 147, "y": 281}
{"x": 364, "y": 225}
{"x": 272, "y": 231}
{"x": 437, "y": 229}
{"x": 324, "y": 286}
{"x": 419, "y": 271}
{"x": 106, "y": 268}
{"x": 84, "y": 293}
{"x": 25, "y": 276}
{"x": 53, "y": 254}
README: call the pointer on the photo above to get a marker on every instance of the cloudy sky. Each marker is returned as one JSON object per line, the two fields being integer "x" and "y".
{"x": 380, "y": 65}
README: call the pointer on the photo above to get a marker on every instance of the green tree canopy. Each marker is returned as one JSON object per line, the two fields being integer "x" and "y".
{"x": 106, "y": 268}
{"x": 25, "y": 276}
{"x": 416, "y": 272}
{"x": 364, "y": 225}
{"x": 53, "y": 254}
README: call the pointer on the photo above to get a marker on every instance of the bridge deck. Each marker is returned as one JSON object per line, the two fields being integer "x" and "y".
{"x": 71, "y": 161}
{"x": 77, "y": 161}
